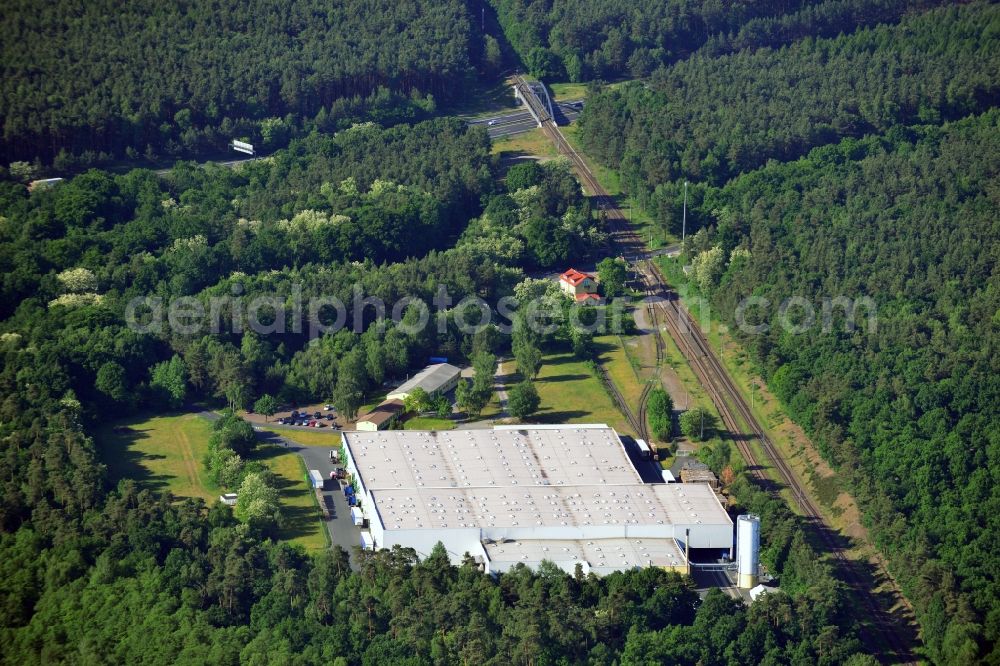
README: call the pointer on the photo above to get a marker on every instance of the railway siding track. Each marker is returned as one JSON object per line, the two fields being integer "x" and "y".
{"x": 733, "y": 409}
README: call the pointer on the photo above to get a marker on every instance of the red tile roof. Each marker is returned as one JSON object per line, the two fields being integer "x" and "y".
{"x": 584, "y": 297}
{"x": 574, "y": 277}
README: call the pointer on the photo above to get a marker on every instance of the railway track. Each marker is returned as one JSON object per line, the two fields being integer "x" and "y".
{"x": 620, "y": 402}
{"x": 654, "y": 381}
{"x": 736, "y": 415}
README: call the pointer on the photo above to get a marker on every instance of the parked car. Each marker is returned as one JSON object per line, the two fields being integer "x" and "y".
{"x": 317, "y": 415}
{"x": 327, "y": 408}
{"x": 295, "y": 413}
{"x": 329, "y": 417}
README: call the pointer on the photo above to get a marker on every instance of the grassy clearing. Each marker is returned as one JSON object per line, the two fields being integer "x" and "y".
{"x": 321, "y": 437}
{"x": 428, "y": 423}
{"x": 302, "y": 518}
{"x": 162, "y": 453}
{"x": 568, "y": 91}
{"x": 619, "y": 368}
{"x": 532, "y": 143}
{"x": 570, "y": 393}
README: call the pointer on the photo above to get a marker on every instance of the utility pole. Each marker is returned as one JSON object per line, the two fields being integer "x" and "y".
{"x": 484, "y": 19}
{"x": 684, "y": 223}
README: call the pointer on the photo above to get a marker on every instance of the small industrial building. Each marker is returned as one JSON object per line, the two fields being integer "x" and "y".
{"x": 522, "y": 494}
{"x": 436, "y": 378}
{"x": 697, "y": 472}
{"x": 382, "y": 417}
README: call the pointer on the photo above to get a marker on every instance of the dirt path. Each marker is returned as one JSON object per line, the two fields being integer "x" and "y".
{"x": 500, "y": 386}
{"x": 190, "y": 464}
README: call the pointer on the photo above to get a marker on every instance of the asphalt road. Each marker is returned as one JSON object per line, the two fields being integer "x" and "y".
{"x": 521, "y": 121}
{"x": 706, "y": 580}
{"x": 504, "y": 125}
{"x": 342, "y": 530}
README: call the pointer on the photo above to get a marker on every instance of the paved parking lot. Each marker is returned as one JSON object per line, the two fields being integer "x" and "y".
{"x": 342, "y": 530}
{"x": 308, "y": 413}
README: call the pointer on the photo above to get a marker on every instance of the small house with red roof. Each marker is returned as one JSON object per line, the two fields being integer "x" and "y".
{"x": 589, "y": 299}
{"x": 582, "y": 287}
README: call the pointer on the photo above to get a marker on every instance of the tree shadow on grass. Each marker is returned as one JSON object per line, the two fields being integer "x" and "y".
{"x": 544, "y": 416}
{"x": 514, "y": 157}
{"x": 119, "y": 449}
{"x": 601, "y": 348}
{"x": 265, "y": 452}
{"x": 299, "y": 521}
{"x": 568, "y": 377}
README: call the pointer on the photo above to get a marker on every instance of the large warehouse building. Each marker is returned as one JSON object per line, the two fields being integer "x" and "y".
{"x": 567, "y": 493}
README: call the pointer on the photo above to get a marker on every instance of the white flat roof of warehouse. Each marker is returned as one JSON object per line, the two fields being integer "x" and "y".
{"x": 431, "y": 378}
{"x": 623, "y": 553}
{"x": 552, "y": 506}
{"x": 505, "y": 457}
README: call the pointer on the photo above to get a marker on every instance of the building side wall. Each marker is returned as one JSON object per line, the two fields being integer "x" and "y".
{"x": 586, "y": 286}
{"x": 450, "y": 384}
{"x": 457, "y": 542}
{"x": 375, "y": 525}
{"x": 706, "y": 536}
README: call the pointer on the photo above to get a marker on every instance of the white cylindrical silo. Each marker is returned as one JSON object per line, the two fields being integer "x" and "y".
{"x": 748, "y": 549}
